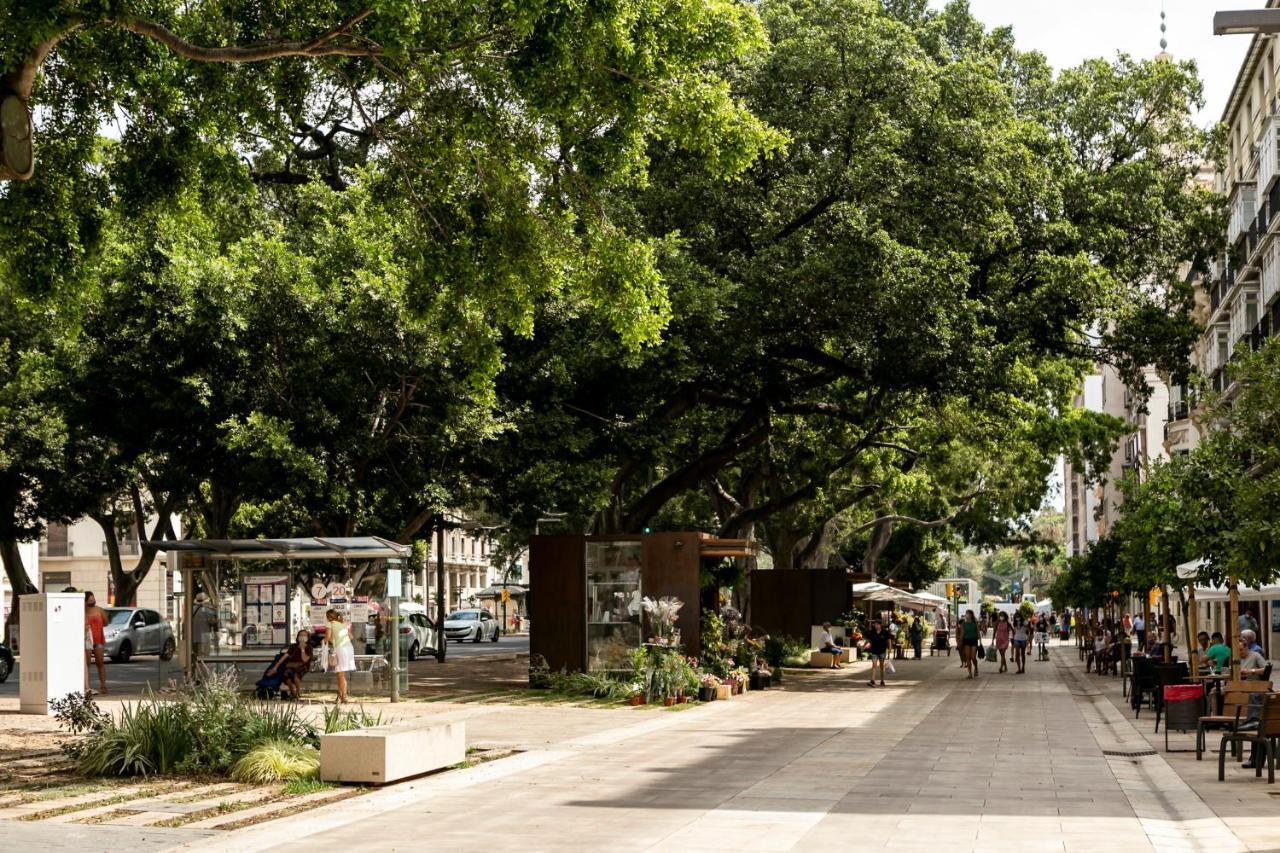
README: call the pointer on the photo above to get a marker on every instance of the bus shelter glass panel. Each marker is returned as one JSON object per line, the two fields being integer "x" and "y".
{"x": 613, "y": 604}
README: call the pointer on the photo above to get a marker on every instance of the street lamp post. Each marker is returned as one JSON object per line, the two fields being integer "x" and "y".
{"x": 1246, "y": 22}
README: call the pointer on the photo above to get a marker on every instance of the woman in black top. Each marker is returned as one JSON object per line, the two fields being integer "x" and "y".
{"x": 878, "y": 646}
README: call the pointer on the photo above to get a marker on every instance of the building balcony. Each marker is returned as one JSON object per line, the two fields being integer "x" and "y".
{"x": 57, "y": 549}
{"x": 1243, "y": 205}
{"x": 1269, "y": 154}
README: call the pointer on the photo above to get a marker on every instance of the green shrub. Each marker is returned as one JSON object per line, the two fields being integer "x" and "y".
{"x": 786, "y": 651}
{"x": 277, "y": 761}
{"x": 204, "y": 729}
{"x": 338, "y": 719}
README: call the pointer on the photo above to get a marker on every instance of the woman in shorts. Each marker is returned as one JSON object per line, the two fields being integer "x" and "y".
{"x": 1021, "y": 636}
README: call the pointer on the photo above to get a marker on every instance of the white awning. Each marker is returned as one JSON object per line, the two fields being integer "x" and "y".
{"x": 872, "y": 591}
{"x": 1207, "y": 594}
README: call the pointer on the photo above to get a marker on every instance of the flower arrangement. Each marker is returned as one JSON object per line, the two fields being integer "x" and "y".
{"x": 662, "y": 617}
{"x": 709, "y": 680}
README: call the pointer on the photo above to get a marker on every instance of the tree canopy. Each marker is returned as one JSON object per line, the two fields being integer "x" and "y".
{"x": 822, "y": 273}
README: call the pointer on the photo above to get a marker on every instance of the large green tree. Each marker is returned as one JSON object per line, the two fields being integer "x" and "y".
{"x": 886, "y": 322}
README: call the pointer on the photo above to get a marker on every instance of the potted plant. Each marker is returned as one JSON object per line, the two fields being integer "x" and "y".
{"x": 707, "y": 688}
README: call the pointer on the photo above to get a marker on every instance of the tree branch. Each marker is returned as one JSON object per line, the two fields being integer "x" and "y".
{"x": 323, "y": 45}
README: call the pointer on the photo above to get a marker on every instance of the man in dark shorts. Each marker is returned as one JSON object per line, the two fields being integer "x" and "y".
{"x": 878, "y": 647}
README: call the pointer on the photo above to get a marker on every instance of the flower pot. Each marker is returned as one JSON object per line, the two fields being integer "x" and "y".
{"x": 706, "y": 693}
{"x": 684, "y": 700}
{"x": 669, "y": 701}
{"x": 637, "y": 700}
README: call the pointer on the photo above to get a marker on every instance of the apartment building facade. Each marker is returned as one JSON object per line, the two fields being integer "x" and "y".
{"x": 1093, "y": 499}
{"x": 1243, "y": 283}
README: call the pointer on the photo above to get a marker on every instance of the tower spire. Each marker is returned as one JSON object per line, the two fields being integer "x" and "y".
{"x": 1164, "y": 53}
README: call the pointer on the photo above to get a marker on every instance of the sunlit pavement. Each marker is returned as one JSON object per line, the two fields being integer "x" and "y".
{"x": 933, "y": 761}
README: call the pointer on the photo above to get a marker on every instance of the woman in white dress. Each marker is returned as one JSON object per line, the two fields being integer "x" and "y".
{"x": 342, "y": 653}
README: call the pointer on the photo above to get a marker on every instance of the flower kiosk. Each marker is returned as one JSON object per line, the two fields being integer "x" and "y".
{"x": 587, "y": 595}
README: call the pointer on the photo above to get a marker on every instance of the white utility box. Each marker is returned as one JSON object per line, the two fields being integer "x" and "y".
{"x": 52, "y": 648}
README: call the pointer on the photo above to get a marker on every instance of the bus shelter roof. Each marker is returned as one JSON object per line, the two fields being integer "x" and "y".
{"x": 303, "y": 548}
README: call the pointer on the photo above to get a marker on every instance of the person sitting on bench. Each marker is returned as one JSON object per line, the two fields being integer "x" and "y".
{"x": 828, "y": 645}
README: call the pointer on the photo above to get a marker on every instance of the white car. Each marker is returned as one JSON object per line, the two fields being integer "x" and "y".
{"x": 417, "y": 632}
{"x": 473, "y": 625}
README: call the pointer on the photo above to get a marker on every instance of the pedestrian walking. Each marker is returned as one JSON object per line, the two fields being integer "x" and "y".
{"x": 1140, "y": 630}
{"x": 916, "y": 634}
{"x": 1002, "y": 634}
{"x": 878, "y": 641}
{"x": 95, "y": 642}
{"x": 1021, "y": 637}
{"x": 969, "y": 643}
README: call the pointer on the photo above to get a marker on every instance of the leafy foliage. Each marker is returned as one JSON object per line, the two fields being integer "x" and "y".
{"x": 277, "y": 761}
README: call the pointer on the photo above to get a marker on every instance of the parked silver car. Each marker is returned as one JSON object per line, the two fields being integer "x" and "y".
{"x": 474, "y": 625}
{"x": 135, "y": 631}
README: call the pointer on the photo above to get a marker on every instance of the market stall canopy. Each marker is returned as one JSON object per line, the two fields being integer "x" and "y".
{"x": 305, "y": 548}
{"x": 514, "y": 590}
{"x": 873, "y": 591}
{"x": 1208, "y": 594}
{"x": 1191, "y": 568}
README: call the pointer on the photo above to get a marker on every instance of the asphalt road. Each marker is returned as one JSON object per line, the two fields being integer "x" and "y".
{"x": 133, "y": 677}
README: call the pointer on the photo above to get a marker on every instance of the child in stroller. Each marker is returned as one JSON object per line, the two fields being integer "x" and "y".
{"x": 283, "y": 676}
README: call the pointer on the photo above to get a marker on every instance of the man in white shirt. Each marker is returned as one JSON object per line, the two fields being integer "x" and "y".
{"x": 828, "y": 643}
{"x": 1140, "y": 631}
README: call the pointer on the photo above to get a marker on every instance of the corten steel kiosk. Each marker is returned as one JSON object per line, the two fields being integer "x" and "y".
{"x": 585, "y": 593}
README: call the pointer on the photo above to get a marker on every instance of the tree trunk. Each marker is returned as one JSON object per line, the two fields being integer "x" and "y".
{"x": 19, "y": 580}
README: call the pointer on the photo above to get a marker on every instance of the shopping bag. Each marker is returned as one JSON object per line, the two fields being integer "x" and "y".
{"x": 991, "y": 653}
{"x": 888, "y": 664}
{"x": 324, "y": 657}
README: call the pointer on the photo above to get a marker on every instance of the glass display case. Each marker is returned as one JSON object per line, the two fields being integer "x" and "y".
{"x": 613, "y": 604}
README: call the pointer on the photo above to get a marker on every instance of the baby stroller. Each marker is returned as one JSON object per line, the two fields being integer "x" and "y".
{"x": 272, "y": 680}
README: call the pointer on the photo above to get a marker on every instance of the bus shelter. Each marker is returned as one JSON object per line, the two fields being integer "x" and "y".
{"x": 242, "y": 601}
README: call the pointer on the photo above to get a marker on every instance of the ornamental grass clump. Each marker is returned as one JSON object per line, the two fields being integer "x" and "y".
{"x": 277, "y": 761}
{"x": 206, "y": 729}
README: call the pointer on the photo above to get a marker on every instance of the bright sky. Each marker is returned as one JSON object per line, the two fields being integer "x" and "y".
{"x": 1068, "y": 31}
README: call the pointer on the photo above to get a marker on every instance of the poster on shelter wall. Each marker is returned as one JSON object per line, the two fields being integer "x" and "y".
{"x": 1275, "y": 617}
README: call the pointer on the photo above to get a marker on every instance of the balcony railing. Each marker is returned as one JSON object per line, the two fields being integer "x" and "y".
{"x": 57, "y": 549}
{"x": 1179, "y": 411}
{"x": 128, "y": 548}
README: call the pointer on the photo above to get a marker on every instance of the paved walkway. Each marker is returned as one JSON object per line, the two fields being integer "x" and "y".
{"x": 934, "y": 761}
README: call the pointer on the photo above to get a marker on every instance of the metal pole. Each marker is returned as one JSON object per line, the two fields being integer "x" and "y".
{"x": 441, "y": 641}
{"x": 394, "y": 595}
{"x": 1193, "y": 630}
{"x": 1166, "y": 640}
{"x": 1233, "y": 627}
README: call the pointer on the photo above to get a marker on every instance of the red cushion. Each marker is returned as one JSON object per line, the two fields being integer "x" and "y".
{"x": 1183, "y": 692}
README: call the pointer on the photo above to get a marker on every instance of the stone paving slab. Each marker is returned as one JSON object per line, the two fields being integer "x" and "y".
{"x": 1001, "y": 763}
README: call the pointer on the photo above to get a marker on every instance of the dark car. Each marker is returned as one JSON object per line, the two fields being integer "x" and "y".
{"x": 6, "y": 662}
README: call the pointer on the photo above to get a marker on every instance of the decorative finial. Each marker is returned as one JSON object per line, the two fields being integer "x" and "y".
{"x": 1163, "y": 42}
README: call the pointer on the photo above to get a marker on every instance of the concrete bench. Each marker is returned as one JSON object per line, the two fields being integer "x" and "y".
{"x": 821, "y": 659}
{"x": 382, "y": 754}
{"x": 817, "y": 658}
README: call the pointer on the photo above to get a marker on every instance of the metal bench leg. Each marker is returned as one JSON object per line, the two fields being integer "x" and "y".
{"x": 1222, "y": 759}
